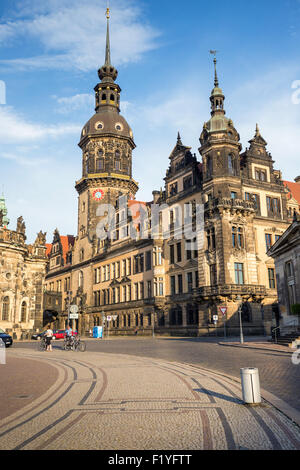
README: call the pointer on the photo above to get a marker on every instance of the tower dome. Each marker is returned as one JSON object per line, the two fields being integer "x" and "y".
{"x": 107, "y": 121}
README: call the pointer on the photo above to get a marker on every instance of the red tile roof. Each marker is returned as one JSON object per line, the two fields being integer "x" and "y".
{"x": 294, "y": 189}
{"x": 66, "y": 241}
{"x": 49, "y": 248}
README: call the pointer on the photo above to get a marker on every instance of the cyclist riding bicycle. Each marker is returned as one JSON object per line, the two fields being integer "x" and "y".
{"x": 69, "y": 335}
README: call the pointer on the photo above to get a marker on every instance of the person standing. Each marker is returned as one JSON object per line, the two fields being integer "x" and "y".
{"x": 49, "y": 336}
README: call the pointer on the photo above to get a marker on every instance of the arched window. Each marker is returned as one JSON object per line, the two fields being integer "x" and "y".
{"x": 5, "y": 309}
{"x": 103, "y": 98}
{"x": 23, "y": 312}
{"x": 112, "y": 98}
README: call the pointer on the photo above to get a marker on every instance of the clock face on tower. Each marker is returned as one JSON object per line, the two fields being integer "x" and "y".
{"x": 98, "y": 194}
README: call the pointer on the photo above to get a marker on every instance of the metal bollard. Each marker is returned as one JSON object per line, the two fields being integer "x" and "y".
{"x": 250, "y": 385}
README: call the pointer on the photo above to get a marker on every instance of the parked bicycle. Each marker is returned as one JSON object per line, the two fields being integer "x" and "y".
{"x": 74, "y": 343}
{"x": 42, "y": 345}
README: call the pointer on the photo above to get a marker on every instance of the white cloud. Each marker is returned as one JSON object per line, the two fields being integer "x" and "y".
{"x": 74, "y": 103}
{"x": 23, "y": 159}
{"x": 73, "y": 35}
{"x": 15, "y": 129}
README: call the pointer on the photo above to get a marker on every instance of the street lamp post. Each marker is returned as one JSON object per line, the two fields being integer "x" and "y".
{"x": 153, "y": 320}
{"x": 240, "y": 318}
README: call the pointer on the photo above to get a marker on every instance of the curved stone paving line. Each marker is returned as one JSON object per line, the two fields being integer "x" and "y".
{"x": 116, "y": 402}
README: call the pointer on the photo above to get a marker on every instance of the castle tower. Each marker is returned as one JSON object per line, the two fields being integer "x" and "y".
{"x": 107, "y": 144}
{"x": 220, "y": 147}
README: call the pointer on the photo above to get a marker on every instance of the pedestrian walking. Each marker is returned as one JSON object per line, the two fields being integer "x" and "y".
{"x": 49, "y": 337}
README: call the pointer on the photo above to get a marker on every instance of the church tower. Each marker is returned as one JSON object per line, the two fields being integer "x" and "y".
{"x": 220, "y": 148}
{"x": 107, "y": 144}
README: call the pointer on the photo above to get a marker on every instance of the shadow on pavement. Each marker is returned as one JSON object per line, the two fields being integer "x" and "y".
{"x": 237, "y": 401}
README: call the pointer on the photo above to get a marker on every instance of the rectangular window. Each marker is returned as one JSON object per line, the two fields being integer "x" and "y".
{"x": 149, "y": 289}
{"x": 129, "y": 267}
{"x": 197, "y": 278}
{"x": 271, "y": 273}
{"x": 124, "y": 293}
{"x": 172, "y": 255}
{"x": 129, "y": 293}
{"x": 161, "y": 287}
{"x": 188, "y": 250}
{"x": 239, "y": 273}
{"x": 268, "y": 241}
{"x": 260, "y": 175}
{"x": 178, "y": 252}
{"x": 142, "y": 290}
{"x": 273, "y": 206}
{"x": 148, "y": 261}
{"x": 180, "y": 285}
{"x": 173, "y": 285}
{"x": 136, "y": 291}
{"x": 233, "y": 195}
{"x": 136, "y": 264}
{"x": 213, "y": 274}
{"x": 118, "y": 269}
{"x": 142, "y": 263}
{"x": 190, "y": 282}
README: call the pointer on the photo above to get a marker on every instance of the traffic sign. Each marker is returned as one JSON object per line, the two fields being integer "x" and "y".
{"x": 215, "y": 318}
{"x": 223, "y": 310}
{"x": 108, "y": 318}
{"x": 73, "y": 316}
{"x": 114, "y": 317}
{"x": 74, "y": 308}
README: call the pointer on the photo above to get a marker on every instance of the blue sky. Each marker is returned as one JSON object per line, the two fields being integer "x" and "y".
{"x": 49, "y": 56}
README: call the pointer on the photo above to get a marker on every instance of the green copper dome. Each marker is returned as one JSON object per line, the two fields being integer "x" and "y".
{"x": 5, "y": 219}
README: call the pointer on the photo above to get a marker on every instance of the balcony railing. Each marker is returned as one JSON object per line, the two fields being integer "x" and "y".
{"x": 232, "y": 290}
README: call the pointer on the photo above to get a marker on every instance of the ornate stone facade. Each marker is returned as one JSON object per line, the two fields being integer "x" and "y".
{"x": 286, "y": 254}
{"x": 22, "y": 275}
{"x": 169, "y": 284}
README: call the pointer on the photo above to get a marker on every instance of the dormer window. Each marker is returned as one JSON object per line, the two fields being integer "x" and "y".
{"x": 260, "y": 175}
{"x": 173, "y": 189}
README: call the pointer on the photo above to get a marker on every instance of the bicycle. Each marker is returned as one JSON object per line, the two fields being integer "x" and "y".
{"x": 42, "y": 346}
{"x": 74, "y": 343}
{"x": 78, "y": 344}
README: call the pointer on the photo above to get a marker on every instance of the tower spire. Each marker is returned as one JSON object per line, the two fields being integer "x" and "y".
{"x": 107, "y": 50}
{"x": 217, "y": 98}
{"x": 216, "y": 74}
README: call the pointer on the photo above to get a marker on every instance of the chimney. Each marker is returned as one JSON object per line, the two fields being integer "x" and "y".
{"x": 297, "y": 180}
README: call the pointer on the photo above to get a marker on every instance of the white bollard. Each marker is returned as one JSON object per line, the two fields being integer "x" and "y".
{"x": 250, "y": 385}
{"x": 2, "y": 352}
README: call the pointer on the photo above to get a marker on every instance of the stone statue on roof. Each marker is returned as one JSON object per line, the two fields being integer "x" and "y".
{"x": 41, "y": 238}
{"x": 21, "y": 227}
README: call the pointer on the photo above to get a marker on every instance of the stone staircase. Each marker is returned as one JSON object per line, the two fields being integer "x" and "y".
{"x": 287, "y": 337}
